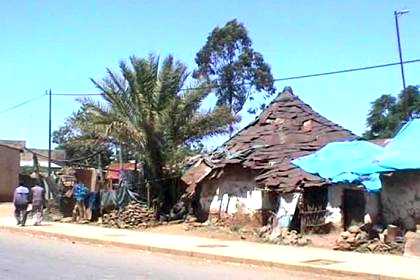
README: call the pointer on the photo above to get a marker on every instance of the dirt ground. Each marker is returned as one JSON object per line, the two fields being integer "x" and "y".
{"x": 203, "y": 231}
{"x": 225, "y": 233}
{"x": 6, "y": 209}
{"x": 210, "y": 231}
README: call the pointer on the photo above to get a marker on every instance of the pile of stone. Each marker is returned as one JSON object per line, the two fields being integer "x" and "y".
{"x": 283, "y": 236}
{"x": 133, "y": 216}
{"x": 356, "y": 239}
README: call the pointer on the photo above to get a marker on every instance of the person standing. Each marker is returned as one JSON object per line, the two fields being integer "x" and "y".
{"x": 21, "y": 201}
{"x": 80, "y": 193}
{"x": 38, "y": 203}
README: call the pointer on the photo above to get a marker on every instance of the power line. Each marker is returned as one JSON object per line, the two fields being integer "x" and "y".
{"x": 21, "y": 104}
{"x": 347, "y": 70}
{"x": 279, "y": 79}
{"x": 212, "y": 87}
{"x": 76, "y": 94}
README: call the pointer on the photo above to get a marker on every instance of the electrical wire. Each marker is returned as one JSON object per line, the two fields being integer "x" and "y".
{"x": 21, "y": 104}
{"x": 347, "y": 70}
{"x": 66, "y": 160}
{"x": 279, "y": 79}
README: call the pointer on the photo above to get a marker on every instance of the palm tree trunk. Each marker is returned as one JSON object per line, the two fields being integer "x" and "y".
{"x": 156, "y": 170}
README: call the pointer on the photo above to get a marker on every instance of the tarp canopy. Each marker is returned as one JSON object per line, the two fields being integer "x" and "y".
{"x": 403, "y": 151}
{"x": 362, "y": 161}
{"x": 350, "y": 162}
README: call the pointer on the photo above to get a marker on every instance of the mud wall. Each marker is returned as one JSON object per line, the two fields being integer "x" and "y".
{"x": 335, "y": 204}
{"x": 401, "y": 199}
{"x": 9, "y": 172}
{"x": 234, "y": 196}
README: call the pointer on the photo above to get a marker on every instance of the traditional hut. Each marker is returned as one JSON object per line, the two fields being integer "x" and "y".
{"x": 251, "y": 178}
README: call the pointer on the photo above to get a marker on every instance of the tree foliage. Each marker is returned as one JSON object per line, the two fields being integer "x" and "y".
{"x": 80, "y": 144}
{"x": 231, "y": 66}
{"x": 388, "y": 113}
{"x": 145, "y": 108}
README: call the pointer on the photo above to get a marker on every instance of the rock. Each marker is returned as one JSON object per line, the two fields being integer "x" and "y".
{"x": 345, "y": 234}
{"x": 264, "y": 229}
{"x": 351, "y": 239}
{"x": 363, "y": 247}
{"x": 342, "y": 246}
{"x": 56, "y": 218}
{"x": 66, "y": 220}
{"x": 372, "y": 247}
{"x": 362, "y": 237}
{"x": 192, "y": 219}
{"x": 382, "y": 237}
{"x": 410, "y": 235}
{"x": 294, "y": 241}
{"x": 353, "y": 229}
{"x": 286, "y": 242}
{"x": 276, "y": 234}
{"x": 302, "y": 241}
{"x": 391, "y": 234}
{"x": 175, "y": 222}
{"x": 285, "y": 233}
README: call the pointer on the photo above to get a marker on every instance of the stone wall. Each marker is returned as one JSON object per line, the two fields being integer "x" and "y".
{"x": 234, "y": 196}
{"x": 401, "y": 199}
{"x": 9, "y": 172}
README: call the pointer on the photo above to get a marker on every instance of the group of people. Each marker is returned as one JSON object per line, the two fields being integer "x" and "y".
{"x": 23, "y": 196}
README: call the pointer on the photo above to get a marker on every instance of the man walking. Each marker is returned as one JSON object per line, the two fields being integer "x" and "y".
{"x": 21, "y": 201}
{"x": 37, "y": 203}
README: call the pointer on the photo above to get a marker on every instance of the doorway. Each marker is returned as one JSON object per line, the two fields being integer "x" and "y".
{"x": 353, "y": 207}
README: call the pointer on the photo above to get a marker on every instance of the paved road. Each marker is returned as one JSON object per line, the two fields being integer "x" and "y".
{"x": 24, "y": 257}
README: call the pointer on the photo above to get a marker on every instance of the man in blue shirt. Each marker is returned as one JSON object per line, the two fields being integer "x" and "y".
{"x": 80, "y": 192}
{"x": 21, "y": 201}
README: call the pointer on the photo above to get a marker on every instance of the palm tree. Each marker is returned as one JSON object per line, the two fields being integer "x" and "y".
{"x": 146, "y": 108}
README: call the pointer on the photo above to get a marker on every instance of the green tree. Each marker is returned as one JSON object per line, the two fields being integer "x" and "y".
{"x": 80, "y": 144}
{"x": 231, "y": 66}
{"x": 388, "y": 113}
{"x": 146, "y": 109}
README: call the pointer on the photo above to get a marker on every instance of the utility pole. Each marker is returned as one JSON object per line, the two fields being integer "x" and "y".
{"x": 396, "y": 15}
{"x": 49, "y": 135}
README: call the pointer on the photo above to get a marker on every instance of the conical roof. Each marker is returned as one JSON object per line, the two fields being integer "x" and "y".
{"x": 286, "y": 130}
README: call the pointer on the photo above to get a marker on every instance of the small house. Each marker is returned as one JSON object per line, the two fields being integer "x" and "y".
{"x": 250, "y": 179}
{"x": 388, "y": 169}
{"x": 9, "y": 171}
{"x": 400, "y": 194}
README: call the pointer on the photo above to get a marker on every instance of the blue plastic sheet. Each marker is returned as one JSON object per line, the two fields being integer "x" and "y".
{"x": 362, "y": 161}
{"x": 350, "y": 162}
{"x": 403, "y": 151}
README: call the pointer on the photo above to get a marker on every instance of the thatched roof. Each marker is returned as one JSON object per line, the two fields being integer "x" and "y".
{"x": 286, "y": 130}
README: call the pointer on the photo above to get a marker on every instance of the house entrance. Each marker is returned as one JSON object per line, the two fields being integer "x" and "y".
{"x": 353, "y": 207}
{"x": 313, "y": 209}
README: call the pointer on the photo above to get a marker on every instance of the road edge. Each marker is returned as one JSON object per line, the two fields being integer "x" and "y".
{"x": 207, "y": 256}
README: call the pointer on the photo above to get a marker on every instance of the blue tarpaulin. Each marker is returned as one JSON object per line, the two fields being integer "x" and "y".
{"x": 349, "y": 162}
{"x": 362, "y": 161}
{"x": 403, "y": 151}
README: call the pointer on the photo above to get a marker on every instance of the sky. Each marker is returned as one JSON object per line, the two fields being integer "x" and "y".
{"x": 60, "y": 45}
